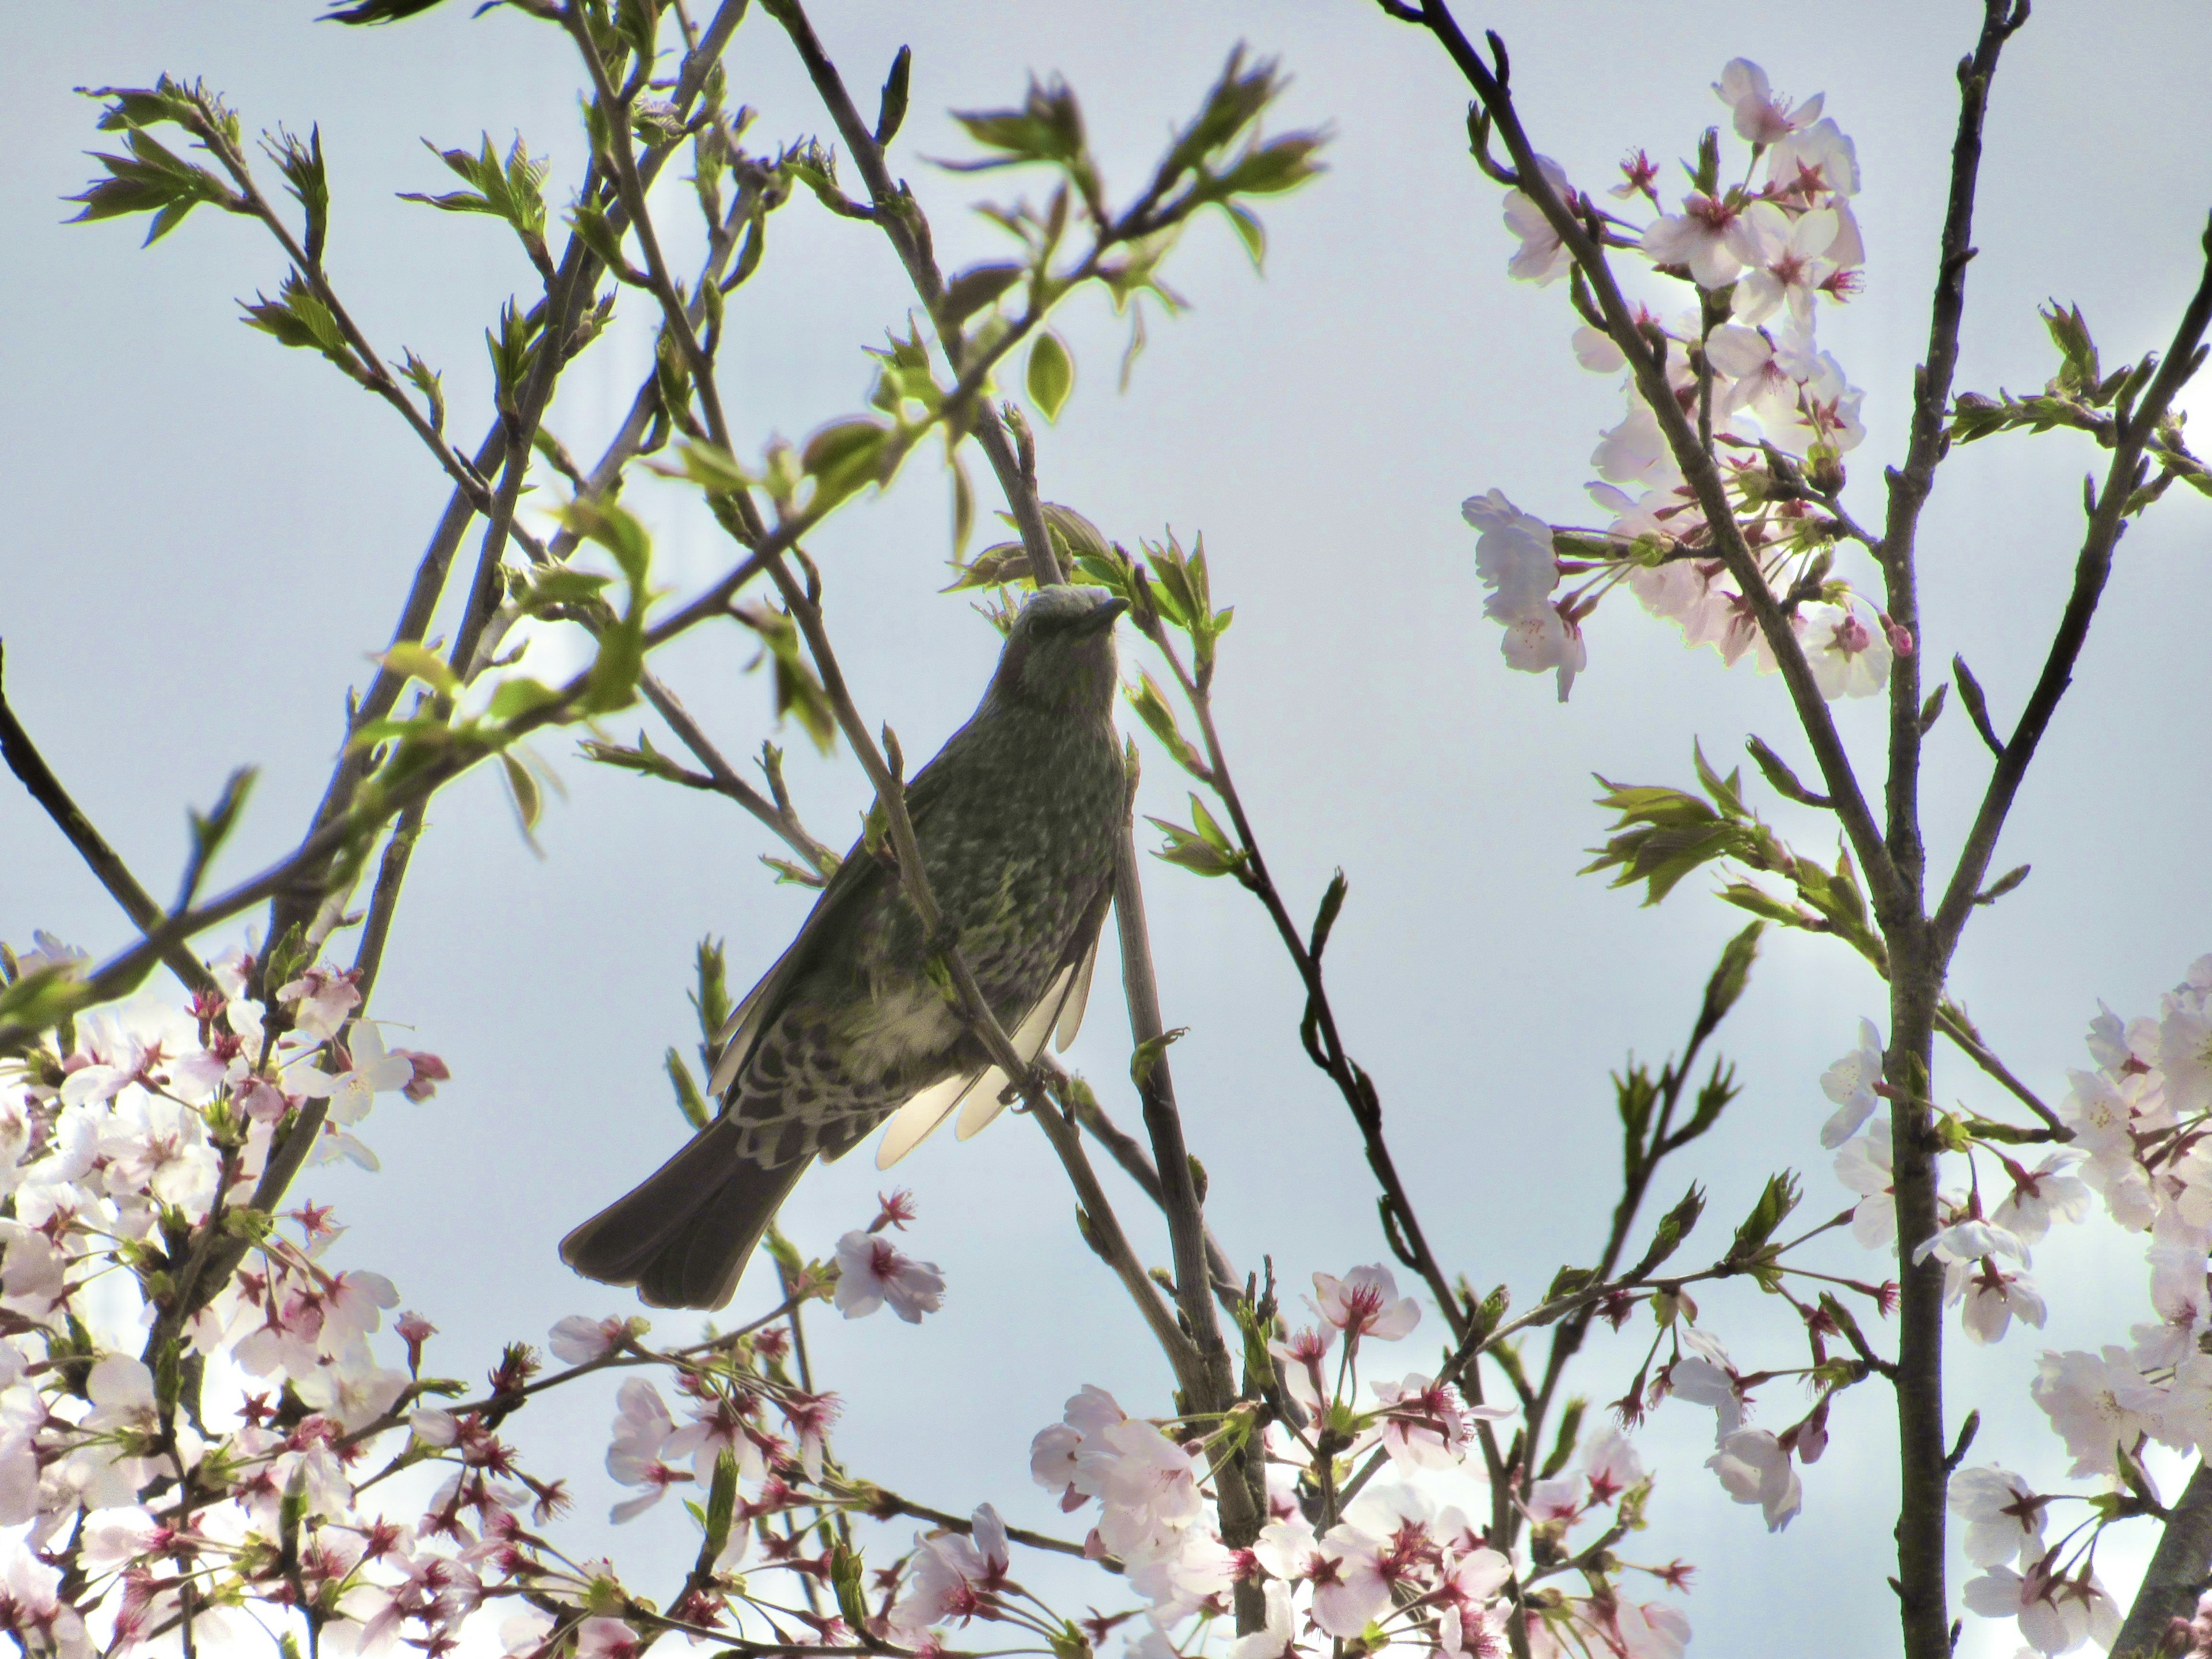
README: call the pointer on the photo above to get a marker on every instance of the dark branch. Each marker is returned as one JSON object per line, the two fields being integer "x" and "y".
{"x": 27, "y": 764}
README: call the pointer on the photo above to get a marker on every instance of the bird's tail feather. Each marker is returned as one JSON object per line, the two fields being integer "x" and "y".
{"x": 684, "y": 1236}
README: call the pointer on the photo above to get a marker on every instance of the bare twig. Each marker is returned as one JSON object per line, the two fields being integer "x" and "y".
{"x": 2090, "y": 569}
{"x": 38, "y": 778}
{"x": 722, "y": 777}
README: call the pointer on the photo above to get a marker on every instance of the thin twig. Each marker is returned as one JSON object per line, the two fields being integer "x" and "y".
{"x": 722, "y": 777}
{"x": 2090, "y": 569}
{"x": 105, "y": 864}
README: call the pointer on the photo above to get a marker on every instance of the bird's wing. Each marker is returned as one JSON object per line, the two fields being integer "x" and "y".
{"x": 1071, "y": 1012}
{"x": 854, "y": 883}
{"x": 916, "y": 1120}
{"x": 974, "y": 1095}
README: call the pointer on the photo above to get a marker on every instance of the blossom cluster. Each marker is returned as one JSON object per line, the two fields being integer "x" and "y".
{"x": 2136, "y": 1119}
{"x": 237, "y": 1471}
{"x": 1378, "y": 1511}
{"x": 1742, "y": 364}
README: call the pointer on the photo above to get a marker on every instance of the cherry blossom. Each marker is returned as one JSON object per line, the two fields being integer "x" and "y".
{"x": 1787, "y": 268}
{"x": 1364, "y": 1303}
{"x": 873, "y": 1271}
{"x": 577, "y": 1341}
{"x": 1815, "y": 164}
{"x": 321, "y": 999}
{"x": 1994, "y": 1296}
{"x": 642, "y": 1431}
{"x": 1278, "y": 1638}
{"x": 2095, "y": 1403}
{"x": 2184, "y": 1040}
{"x": 1428, "y": 1424}
{"x": 1754, "y": 1469}
{"x": 1515, "y": 558}
{"x": 1710, "y": 236}
{"x": 2041, "y": 1195}
{"x": 1146, "y": 1486}
{"x": 2004, "y": 1515}
{"x": 1760, "y": 116}
{"x": 1848, "y": 657}
{"x": 2057, "y": 1614}
{"x": 955, "y": 1577}
{"x": 1542, "y": 258}
{"x": 1850, "y": 1083}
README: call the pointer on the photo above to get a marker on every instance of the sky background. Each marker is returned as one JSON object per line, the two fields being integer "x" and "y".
{"x": 208, "y": 534}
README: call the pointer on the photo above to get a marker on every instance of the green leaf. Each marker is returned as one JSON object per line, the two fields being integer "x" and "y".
{"x": 689, "y": 1101}
{"x": 1152, "y": 707}
{"x": 1249, "y": 231}
{"x": 1673, "y": 1227}
{"x": 1270, "y": 169}
{"x": 1728, "y": 978}
{"x": 1051, "y": 375}
{"x": 208, "y": 832}
{"x": 518, "y": 696}
{"x": 974, "y": 288}
{"x": 996, "y": 566}
{"x": 304, "y": 176}
{"x": 2077, "y": 352}
{"x": 511, "y": 190}
{"x": 1196, "y": 852}
{"x": 845, "y": 1581}
{"x": 645, "y": 759}
{"x": 1332, "y": 905}
{"x": 431, "y": 385}
{"x": 296, "y": 318}
{"x": 418, "y": 661}
{"x": 1147, "y": 1058}
{"x": 1727, "y": 794}
{"x": 843, "y": 457}
{"x": 1776, "y": 1201}
{"x": 589, "y": 220}
{"x": 1077, "y": 541}
{"x": 151, "y": 178}
{"x": 522, "y": 791}
{"x": 890, "y": 115}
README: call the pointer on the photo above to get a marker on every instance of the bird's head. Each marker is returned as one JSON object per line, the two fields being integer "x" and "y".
{"x": 1060, "y": 652}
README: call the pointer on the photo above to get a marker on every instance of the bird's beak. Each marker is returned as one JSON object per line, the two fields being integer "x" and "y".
{"x": 1103, "y": 617}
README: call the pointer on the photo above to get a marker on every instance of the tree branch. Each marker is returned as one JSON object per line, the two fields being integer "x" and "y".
{"x": 1698, "y": 470}
{"x": 2177, "y": 1573}
{"x": 38, "y": 778}
{"x": 2090, "y": 569}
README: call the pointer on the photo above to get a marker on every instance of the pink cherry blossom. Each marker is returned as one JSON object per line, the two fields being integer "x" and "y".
{"x": 872, "y": 1270}
{"x": 321, "y": 999}
{"x": 642, "y": 1431}
{"x": 1850, "y": 1083}
{"x": 1786, "y": 266}
{"x": 577, "y": 1341}
{"x": 1848, "y": 657}
{"x": 2057, "y": 1613}
{"x": 1710, "y": 236}
{"x": 2095, "y": 1403}
{"x": 607, "y": 1638}
{"x": 2003, "y": 1516}
{"x": 1350, "y": 1581}
{"x": 1760, "y": 116}
{"x": 1542, "y": 258}
{"x": 1755, "y": 1469}
{"x": 1365, "y": 1303}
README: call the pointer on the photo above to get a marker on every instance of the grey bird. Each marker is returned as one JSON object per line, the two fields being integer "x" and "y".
{"x": 1017, "y": 818}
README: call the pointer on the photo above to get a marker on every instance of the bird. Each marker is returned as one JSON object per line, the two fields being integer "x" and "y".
{"x": 1017, "y": 818}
